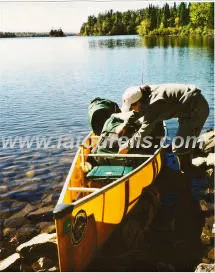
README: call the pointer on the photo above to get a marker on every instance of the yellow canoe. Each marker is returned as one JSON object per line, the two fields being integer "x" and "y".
{"x": 87, "y": 212}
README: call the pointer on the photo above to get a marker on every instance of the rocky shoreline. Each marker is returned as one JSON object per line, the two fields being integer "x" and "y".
{"x": 169, "y": 233}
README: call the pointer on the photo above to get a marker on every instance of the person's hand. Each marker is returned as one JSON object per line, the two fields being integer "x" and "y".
{"x": 123, "y": 151}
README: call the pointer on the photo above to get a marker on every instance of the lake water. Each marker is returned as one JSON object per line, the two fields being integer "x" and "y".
{"x": 46, "y": 85}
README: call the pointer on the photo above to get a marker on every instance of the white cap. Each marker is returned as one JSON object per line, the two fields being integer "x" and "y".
{"x": 130, "y": 96}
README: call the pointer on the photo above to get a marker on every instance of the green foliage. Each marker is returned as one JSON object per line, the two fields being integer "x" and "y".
{"x": 182, "y": 19}
{"x": 144, "y": 27}
{"x": 202, "y": 14}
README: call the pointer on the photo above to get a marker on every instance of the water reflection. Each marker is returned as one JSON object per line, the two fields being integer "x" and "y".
{"x": 175, "y": 41}
{"x": 151, "y": 42}
{"x": 107, "y": 42}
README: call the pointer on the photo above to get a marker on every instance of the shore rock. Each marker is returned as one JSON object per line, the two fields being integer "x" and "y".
{"x": 41, "y": 214}
{"x": 26, "y": 232}
{"x": 47, "y": 227}
{"x": 11, "y": 263}
{"x": 27, "y": 209}
{"x": 43, "y": 245}
{"x": 205, "y": 268}
{"x": 14, "y": 222}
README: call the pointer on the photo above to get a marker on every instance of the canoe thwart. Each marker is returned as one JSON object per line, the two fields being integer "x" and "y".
{"x": 83, "y": 189}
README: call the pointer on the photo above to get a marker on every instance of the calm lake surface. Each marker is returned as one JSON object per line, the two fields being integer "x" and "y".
{"x": 46, "y": 85}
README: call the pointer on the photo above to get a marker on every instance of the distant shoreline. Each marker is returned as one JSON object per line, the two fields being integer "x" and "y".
{"x": 30, "y": 34}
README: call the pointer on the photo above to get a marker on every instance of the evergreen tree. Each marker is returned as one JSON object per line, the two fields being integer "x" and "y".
{"x": 152, "y": 20}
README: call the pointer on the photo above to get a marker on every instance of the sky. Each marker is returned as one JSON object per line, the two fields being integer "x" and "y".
{"x": 20, "y": 16}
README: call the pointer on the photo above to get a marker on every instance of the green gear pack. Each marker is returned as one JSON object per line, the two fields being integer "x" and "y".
{"x": 111, "y": 133}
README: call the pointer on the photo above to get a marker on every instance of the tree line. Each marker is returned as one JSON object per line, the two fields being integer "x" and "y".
{"x": 56, "y": 33}
{"x": 192, "y": 18}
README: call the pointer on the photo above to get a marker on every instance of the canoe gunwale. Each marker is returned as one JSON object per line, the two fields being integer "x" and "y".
{"x": 62, "y": 209}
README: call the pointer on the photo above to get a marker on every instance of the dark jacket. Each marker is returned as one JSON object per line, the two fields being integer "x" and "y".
{"x": 166, "y": 101}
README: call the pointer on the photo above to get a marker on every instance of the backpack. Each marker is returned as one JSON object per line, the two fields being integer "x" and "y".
{"x": 99, "y": 111}
{"x": 117, "y": 126}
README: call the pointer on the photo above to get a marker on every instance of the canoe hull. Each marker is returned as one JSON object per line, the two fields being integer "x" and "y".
{"x": 84, "y": 227}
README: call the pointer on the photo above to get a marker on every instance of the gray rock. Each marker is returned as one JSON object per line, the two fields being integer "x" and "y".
{"x": 47, "y": 227}
{"x": 47, "y": 198}
{"x": 11, "y": 263}
{"x": 6, "y": 213}
{"x": 27, "y": 209}
{"x": 43, "y": 245}
{"x": 42, "y": 214}
{"x": 15, "y": 204}
{"x": 14, "y": 222}
{"x": 26, "y": 232}
{"x": 205, "y": 268}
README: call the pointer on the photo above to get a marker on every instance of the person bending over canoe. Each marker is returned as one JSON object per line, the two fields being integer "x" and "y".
{"x": 162, "y": 102}
{"x": 114, "y": 127}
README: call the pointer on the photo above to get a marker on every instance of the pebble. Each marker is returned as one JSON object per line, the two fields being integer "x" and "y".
{"x": 42, "y": 264}
{"x": 3, "y": 189}
{"x": 6, "y": 180}
{"x": 30, "y": 174}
